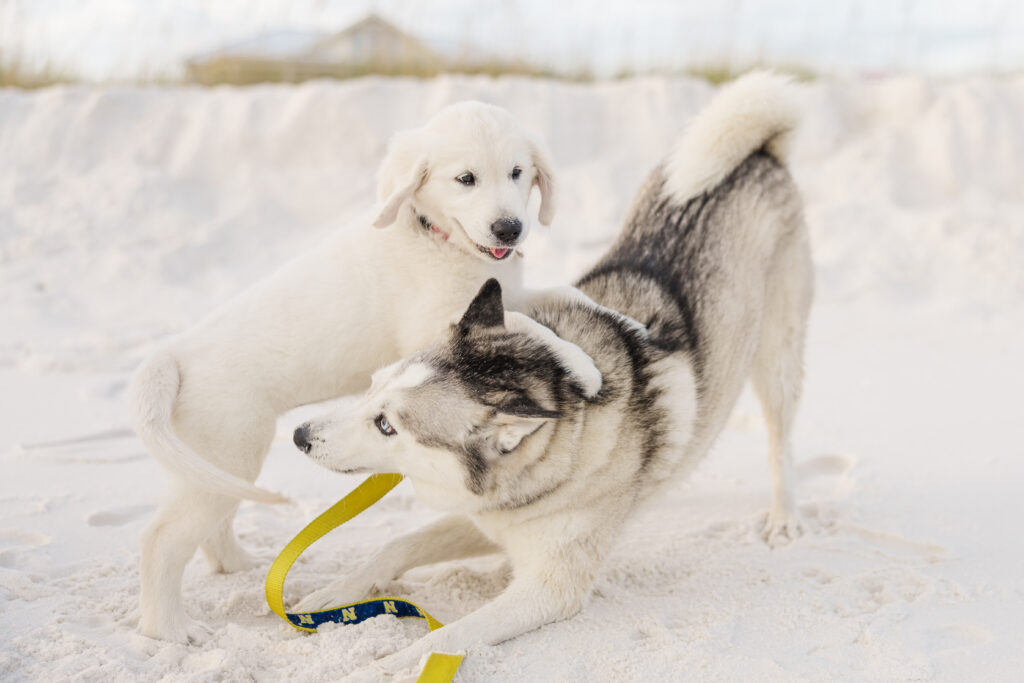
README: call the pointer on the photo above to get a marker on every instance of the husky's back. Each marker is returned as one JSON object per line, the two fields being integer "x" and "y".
{"x": 714, "y": 257}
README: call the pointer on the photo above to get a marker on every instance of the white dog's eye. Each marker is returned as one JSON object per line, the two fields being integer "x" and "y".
{"x": 516, "y": 172}
{"x": 467, "y": 178}
{"x": 384, "y": 426}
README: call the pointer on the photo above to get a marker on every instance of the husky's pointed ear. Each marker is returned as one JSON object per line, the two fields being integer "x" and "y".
{"x": 517, "y": 419}
{"x": 403, "y": 171}
{"x": 486, "y": 309}
{"x": 572, "y": 358}
{"x": 510, "y": 435}
{"x": 544, "y": 180}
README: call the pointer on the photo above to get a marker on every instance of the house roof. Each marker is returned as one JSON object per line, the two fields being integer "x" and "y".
{"x": 294, "y": 45}
{"x": 371, "y": 23}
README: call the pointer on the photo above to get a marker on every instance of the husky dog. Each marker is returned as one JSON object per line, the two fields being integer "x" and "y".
{"x": 543, "y": 433}
{"x": 205, "y": 404}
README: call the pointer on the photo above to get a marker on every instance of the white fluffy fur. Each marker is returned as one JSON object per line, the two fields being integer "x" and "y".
{"x": 571, "y": 357}
{"x": 742, "y": 115}
{"x": 206, "y": 403}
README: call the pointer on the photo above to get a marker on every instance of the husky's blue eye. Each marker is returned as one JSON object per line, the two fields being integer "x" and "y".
{"x": 384, "y": 426}
{"x": 516, "y": 172}
{"x": 467, "y": 178}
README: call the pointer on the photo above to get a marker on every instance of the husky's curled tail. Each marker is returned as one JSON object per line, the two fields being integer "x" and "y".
{"x": 724, "y": 187}
{"x": 758, "y": 110}
{"x": 153, "y": 393}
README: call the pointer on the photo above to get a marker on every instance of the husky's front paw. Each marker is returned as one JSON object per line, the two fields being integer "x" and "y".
{"x": 333, "y": 595}
{"x": 781, "y": 527}
{"x": 371, "y": 674}
{"x": 375, "y": 674}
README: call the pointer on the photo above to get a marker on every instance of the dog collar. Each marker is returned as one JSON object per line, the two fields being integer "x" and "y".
{"x": 427, "y": 225}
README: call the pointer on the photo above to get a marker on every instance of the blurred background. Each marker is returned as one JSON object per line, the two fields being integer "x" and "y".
{"x": 244, "y": 41}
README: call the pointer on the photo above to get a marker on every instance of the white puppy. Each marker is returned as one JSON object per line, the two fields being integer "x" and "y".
{"x": 455, "y": 195}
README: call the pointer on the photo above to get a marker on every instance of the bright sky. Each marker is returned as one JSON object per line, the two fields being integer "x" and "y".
{"x": 117, "y": 39}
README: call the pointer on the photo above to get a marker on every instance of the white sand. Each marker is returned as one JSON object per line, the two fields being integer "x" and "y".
{"x": 125, "y": 215}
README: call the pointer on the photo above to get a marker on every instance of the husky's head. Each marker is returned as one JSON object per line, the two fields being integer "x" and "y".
{"x": 465, "y": 418}
{"x": 467, "y": 174}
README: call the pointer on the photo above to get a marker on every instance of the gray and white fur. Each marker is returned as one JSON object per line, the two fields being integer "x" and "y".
{"x": 506, "y": 425}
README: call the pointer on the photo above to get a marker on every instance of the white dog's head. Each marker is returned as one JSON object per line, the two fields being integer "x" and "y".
{"x": 467, "y": 174}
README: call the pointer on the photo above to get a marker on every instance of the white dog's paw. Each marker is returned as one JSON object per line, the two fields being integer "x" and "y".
{"x": 230, "y": 557}
{"x": 780, "y": 527}
{"x": 569, "y": 294}
{"x": 197, "y": 633}
{"x": 182, "y": 630}
{"x": 333, "y": 595}
{"x": 242, "y": 561}
{"x": 131, "y": 619}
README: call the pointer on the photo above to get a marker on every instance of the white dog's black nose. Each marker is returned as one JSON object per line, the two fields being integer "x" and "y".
{"x": 301, "y": 439}
{"x": 507, "y": 230}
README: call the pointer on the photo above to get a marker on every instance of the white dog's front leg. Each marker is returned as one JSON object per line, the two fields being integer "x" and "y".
{"x": 562, "y": 294}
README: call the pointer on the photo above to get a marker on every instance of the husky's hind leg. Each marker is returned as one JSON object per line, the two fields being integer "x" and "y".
{"x": 777, "y": 374}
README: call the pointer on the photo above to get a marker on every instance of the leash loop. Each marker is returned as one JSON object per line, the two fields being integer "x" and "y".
{"x": 440, "y": 667}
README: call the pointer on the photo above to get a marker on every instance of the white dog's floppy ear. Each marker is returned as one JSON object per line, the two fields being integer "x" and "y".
{"x": 403, "y": 171}
{"x": 571, "y": 357}
{"x": 544, "y": 179}
{"x": 413, "y": 181}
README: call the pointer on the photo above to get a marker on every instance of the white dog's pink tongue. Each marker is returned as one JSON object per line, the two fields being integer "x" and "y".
{"x": 499, "y": 253}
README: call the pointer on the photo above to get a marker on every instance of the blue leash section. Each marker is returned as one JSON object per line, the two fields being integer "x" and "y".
{"x": 357, "y": 612}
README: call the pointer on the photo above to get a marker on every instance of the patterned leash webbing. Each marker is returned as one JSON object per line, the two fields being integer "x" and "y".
{"x": 440, "y": 667}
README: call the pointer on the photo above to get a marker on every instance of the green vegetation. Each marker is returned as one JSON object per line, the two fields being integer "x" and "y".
{"x": 716, "y": 74}
{"x": 230, "y": 71}
{"x": 15, "y": 74}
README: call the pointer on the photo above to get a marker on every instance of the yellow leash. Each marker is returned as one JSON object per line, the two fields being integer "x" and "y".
{"x": 440, "y": 668}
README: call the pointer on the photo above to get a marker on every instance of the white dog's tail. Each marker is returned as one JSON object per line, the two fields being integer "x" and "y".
{"x": 754, "y": 111}
{"x": 154, "y": 391}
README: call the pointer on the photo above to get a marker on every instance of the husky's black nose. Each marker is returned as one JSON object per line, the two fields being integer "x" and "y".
{"x": 507, "y": 230}
{"x": 301, "y": 439}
